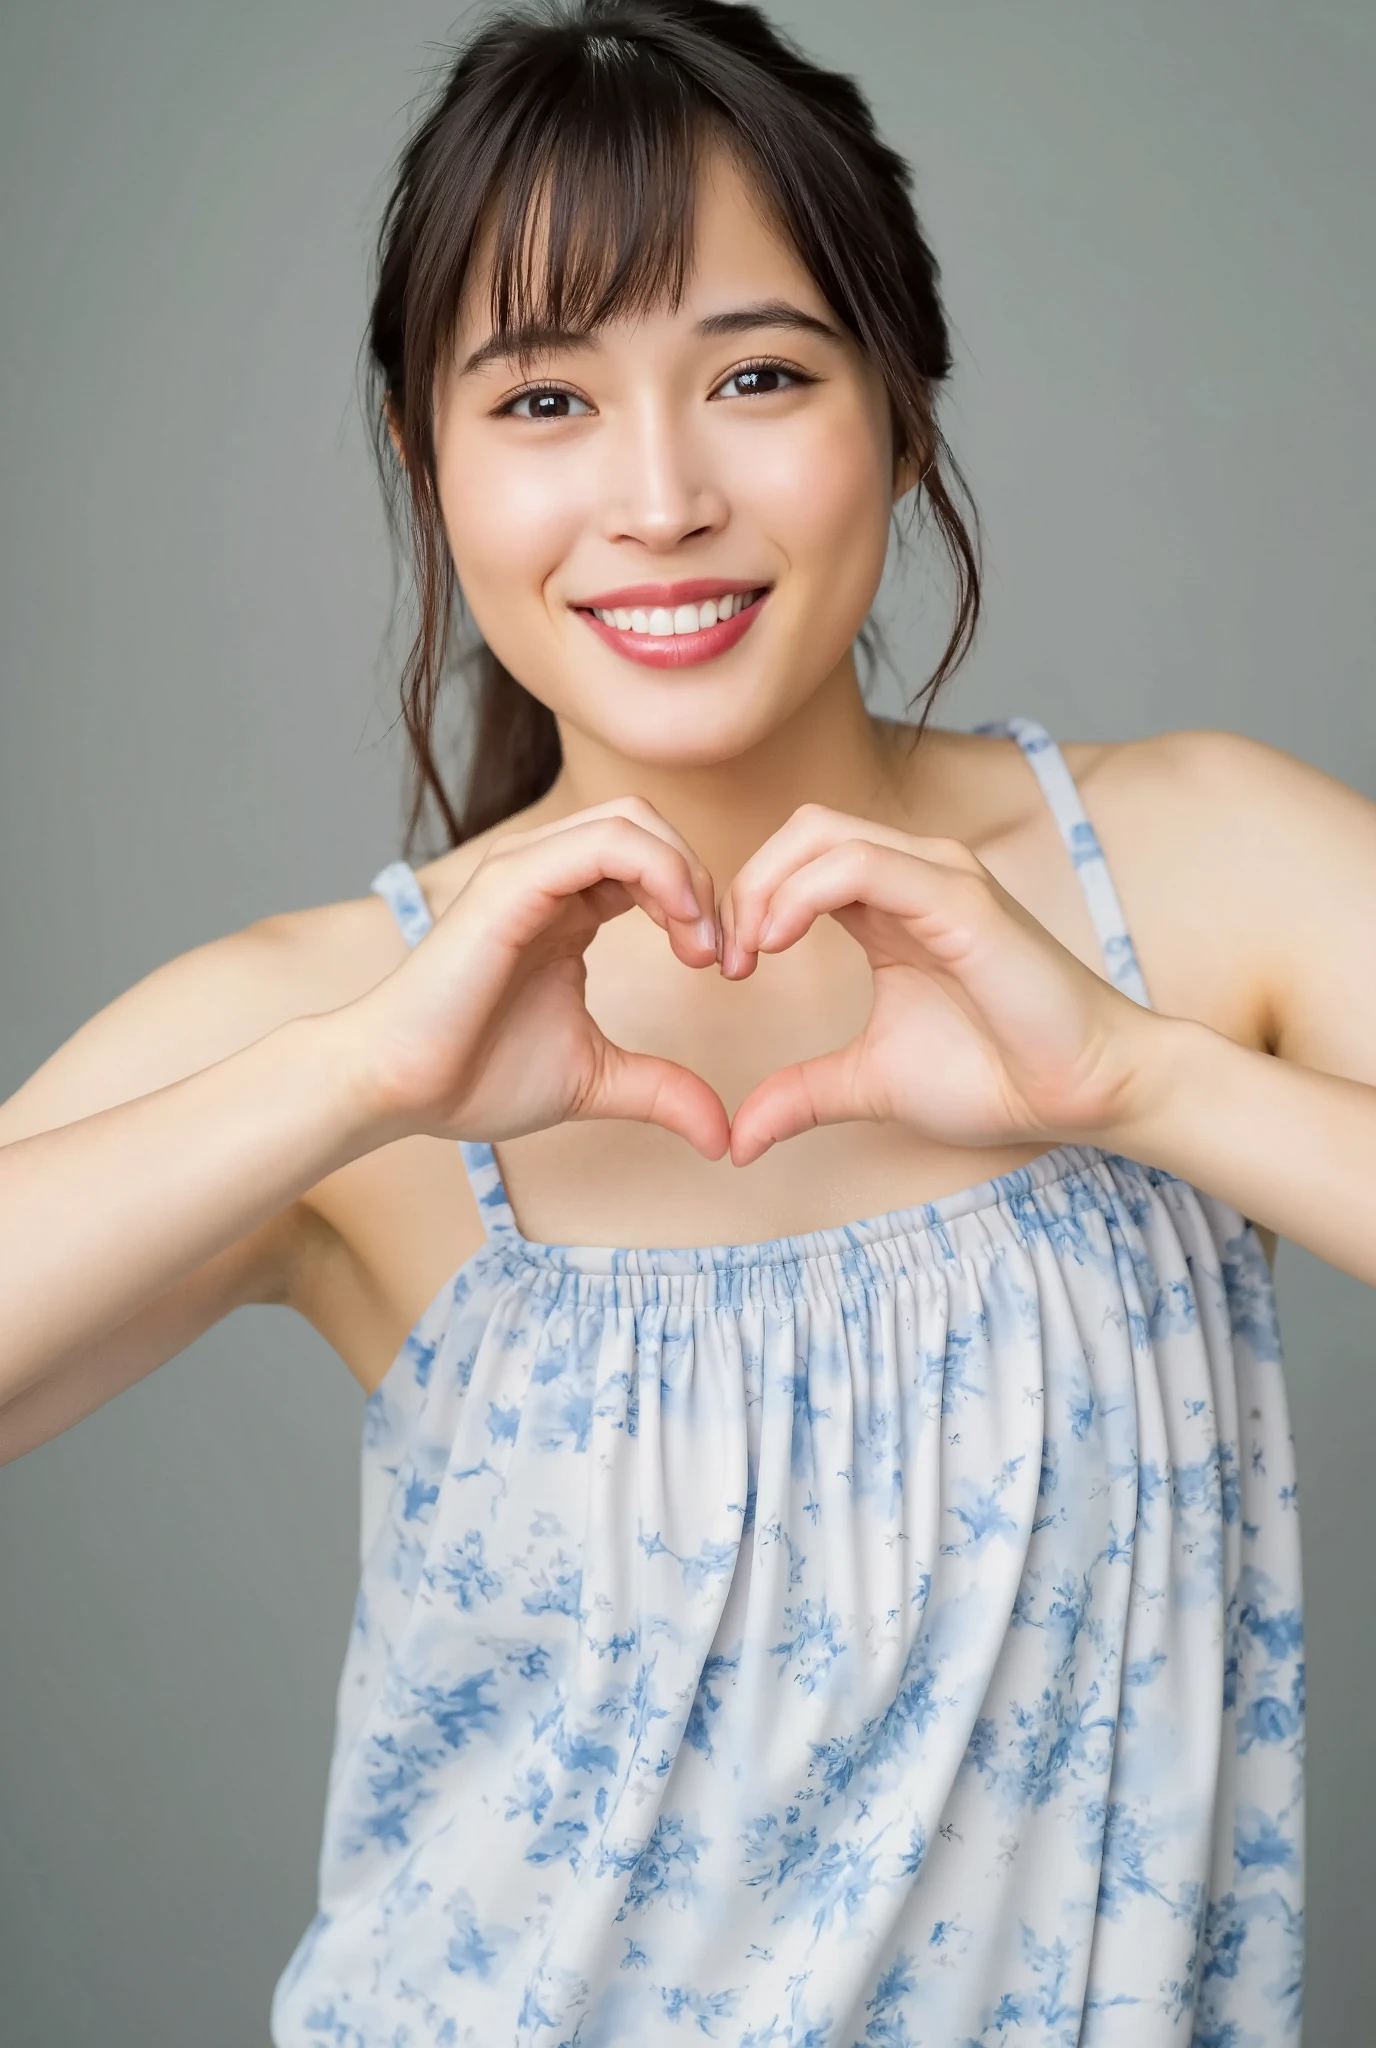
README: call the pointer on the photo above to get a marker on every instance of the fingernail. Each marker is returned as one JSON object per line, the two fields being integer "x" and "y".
{"x": 708, "y": 934}
{"x": 763, "y": 933}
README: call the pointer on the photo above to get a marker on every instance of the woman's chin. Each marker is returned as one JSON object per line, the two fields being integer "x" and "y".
{"x": 689, "y": 737}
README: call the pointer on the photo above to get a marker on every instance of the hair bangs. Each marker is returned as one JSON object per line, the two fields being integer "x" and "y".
{"x": 593, "y": 214}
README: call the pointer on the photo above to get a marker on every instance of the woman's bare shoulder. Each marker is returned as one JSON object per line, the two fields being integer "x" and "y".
{"x": 1266, "y": 858}
{"x": 1210, "y": 801}
{"x": 1221, "y": 846}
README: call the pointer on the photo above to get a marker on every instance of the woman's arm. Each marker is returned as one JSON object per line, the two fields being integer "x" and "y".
{"x": 102, "y": 1214}
{"x": 150, "y": 1170}
{"x": 1289, "y": 854}
{"x": 267, "y": 1266}
{"x": 1293, "y": 1149}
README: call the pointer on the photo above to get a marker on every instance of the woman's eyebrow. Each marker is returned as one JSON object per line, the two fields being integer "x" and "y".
{"x": 768, "y": 313}
{"x": 513, "y": 344}
{"x": 523, "y": 342}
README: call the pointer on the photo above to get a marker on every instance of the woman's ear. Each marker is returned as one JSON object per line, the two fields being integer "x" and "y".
{"x": 394, "y": 429}
{"x": 908, "y": 470}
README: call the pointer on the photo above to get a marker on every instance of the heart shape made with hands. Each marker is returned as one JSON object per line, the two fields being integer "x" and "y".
{"x": 984, "y": 1029}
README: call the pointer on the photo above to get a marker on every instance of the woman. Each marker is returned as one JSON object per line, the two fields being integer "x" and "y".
{"x": 774, "y": 1625}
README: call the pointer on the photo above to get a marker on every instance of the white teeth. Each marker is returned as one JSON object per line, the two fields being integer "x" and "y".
{"x": 684, "y": 618}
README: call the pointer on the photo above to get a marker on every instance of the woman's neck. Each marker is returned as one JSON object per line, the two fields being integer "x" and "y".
{"x": 830, "y": 752}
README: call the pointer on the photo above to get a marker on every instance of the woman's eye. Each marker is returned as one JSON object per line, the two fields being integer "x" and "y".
{"x": 758, "y": 380}
{"x": 545, "y": 404}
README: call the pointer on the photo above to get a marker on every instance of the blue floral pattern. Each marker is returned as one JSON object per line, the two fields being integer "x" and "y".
{"x": 884, "y": 1637}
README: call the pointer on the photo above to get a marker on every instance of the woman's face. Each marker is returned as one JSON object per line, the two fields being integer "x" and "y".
{"x": 739, "y": 444}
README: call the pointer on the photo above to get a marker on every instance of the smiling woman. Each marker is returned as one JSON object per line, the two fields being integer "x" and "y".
{"x": 551, "y": 213}
{"x": 857, "y": 1600}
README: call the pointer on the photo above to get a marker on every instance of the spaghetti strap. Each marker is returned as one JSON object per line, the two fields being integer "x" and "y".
{"x": 1048, "y": 763}
{"x": 489, "y": 1189}
{"x": 400, "y": 890}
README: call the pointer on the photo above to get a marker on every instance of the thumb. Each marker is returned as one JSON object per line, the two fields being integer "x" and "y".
{"x": 796, "y": 1099}
{"x": 648, "y": 1090}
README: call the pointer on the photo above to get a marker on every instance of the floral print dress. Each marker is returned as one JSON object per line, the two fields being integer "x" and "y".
{"x": 884, "y": 1637}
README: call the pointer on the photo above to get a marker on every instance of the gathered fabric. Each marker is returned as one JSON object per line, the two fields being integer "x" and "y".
{"x": 883, "y": 1637}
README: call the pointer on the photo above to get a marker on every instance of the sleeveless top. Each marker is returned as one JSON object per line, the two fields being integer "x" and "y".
{"x": 883, "y": 1637}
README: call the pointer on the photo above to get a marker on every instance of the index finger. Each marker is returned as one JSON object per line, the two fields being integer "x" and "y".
{"x": 639, "y": 811}
{"x": 812, "y": 830}
{"x": 534, "y": 876}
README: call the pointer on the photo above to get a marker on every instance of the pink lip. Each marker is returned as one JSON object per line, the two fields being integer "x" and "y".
{"x": 675, "y": 650}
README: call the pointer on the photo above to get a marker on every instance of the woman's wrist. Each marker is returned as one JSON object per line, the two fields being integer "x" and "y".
{"x": 1177, "y": 1067}
{"x": 1286, "y": 1145}
{"x": 361, "y": 1098}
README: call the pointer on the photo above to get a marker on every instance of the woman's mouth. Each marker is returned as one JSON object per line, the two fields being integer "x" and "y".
{"x": 674, "y": 635}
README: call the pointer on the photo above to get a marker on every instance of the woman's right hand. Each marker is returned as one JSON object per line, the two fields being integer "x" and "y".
{"x": 483, "y": 1032}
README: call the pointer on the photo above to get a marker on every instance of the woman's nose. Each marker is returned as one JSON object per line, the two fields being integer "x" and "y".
{"x": 660, "y": 486}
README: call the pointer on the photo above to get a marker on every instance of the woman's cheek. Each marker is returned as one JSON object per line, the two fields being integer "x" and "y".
{"x": 822, "y": 494}
{"x": 508, "y": 535}
{"x": 823, "y": 500}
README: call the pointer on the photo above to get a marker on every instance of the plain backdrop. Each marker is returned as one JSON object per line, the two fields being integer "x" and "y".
{"x": 1155, "y": 226}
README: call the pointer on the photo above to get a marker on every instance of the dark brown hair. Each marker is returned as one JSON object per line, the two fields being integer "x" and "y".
{"x": 593, "y": 113}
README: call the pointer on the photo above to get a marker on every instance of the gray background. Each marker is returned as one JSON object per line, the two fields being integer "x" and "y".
{"x": 1155, "y": 226}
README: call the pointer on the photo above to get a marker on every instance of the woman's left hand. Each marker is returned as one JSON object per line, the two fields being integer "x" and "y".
{"x": 985, "y": 1029}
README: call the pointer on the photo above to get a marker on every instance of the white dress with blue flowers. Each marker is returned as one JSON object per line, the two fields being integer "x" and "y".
{"x": 884, "y": 1637}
